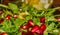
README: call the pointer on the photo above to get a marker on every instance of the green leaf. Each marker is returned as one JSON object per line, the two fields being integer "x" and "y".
{"x": 20, "y": 33}
{"x": 36, "y": 20}
{"x": 45, "y": 33}
{"x": 13, "y": 7}
{"x": 50, "y": 27}
{"x": 50, "y": 18}
{"x": 1, "y": 5}
{"x": 5, "y": 26}
{"x": 18, "y": 22}
{"x": 27, "y": 18}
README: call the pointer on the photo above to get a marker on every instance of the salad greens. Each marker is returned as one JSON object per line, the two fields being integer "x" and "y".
{"x": 12, "y": 26}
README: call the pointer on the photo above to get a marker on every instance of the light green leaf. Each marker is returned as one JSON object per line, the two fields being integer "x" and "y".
{"x": 1, "y": 5}
{"x": 13, "y": 7}
{"x": 45, "y": 33}
{"x": 50, "y": 27}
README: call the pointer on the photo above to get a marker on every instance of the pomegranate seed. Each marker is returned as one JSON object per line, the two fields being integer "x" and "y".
{"x": 31, "y": 22}
{"x": 1, "y": 20}
{"x": 25, "y": 27}
{"x": 8, "y": 17}
{"x": 43, "y": 27}
{"x": 21, "y": 27}
{"x": 39, "y": 31}
{"x": 3, "y": 33}
{"x": 29, "y": 33}
{"x": 42, "y": 19}
{"x": 15, "y": 16}
{"x": 1, "y": 11}
{"x": 33, "y": 30}
{"x": 23, "y": 33}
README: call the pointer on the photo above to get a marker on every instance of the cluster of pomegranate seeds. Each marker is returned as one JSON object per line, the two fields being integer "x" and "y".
{"x": 42, "y": 19}
{"x": 42, "y": 29}
{"x": 29, "y": 23}
{"x": 8, "y": 17}
{"x": 1, "y": 20}
{"x": 3, "y": 33}
{"x": 1, "y": 11}
{"x": 35, "y": 28}
{"x": 38, "y": 29}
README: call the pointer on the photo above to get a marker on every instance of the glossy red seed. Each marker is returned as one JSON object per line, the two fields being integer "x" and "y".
{"x": 43, "y": 27}
{"x": 23, "y": 33}
{"x": 1, "y": 11}
{"x": 30, "y": 22}
{"x": 15, "y": 16}
{"x": 39, "y": 31}
{"x": 8, "y": 17}
{"x": 42, "y": 19}
{"x": 3, "y": 33}
{"x": 29, "y": 33}
{"x": 1, "y": 20}
{"x": 27, "y": 26}
{"x": 34, "y": 28}
{"x": 24, "y": 27}
{"x": 21, "y": 27}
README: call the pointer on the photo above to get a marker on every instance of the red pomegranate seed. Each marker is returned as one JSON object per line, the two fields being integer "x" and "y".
{"x": 23, "y": 33}
{"x": 24, "y": 27}
{"x": 42, "y": 19}
{"x": 27, "y": 26}
{"x": 8, "y": 17}
{"x": 21, "y": 27}
{"x": 39, "y": 31}
{"x": 43, "y": 27}
{"x": 3, "y": 33}
{"x": 30, "y": 22}
{"x": 34, "y": 28}
{"x": 2, "y": 20}
{"x": 29, "y": 33}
